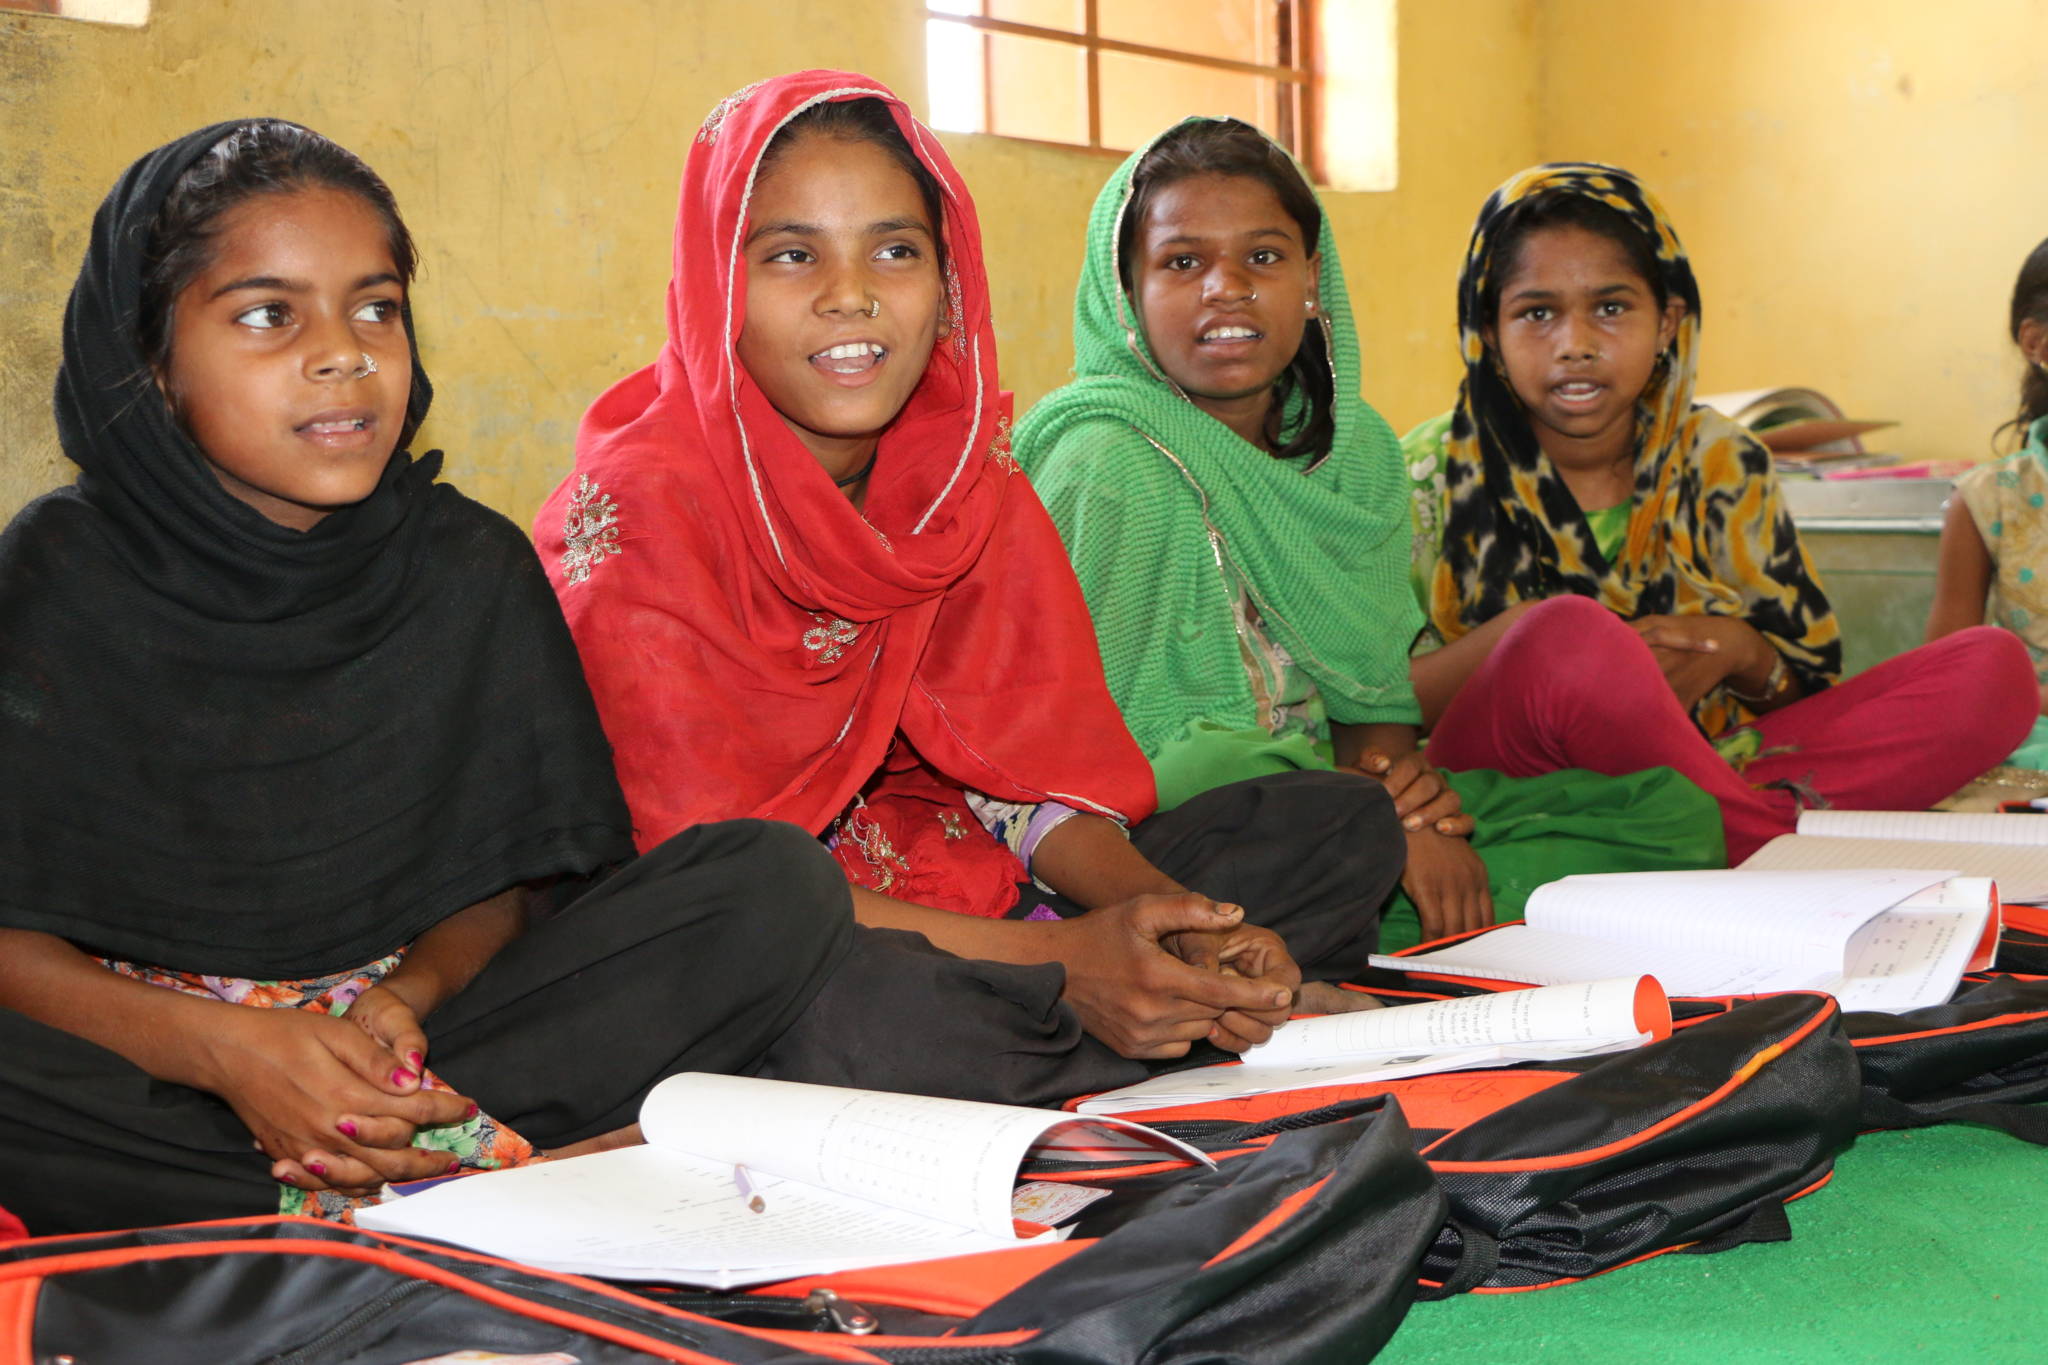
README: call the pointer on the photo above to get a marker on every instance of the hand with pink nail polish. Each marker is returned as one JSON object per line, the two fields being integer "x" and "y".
{"x": 295, "y": 1076}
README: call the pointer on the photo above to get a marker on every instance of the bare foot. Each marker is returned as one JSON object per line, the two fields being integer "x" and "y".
{"x": 1327, "y": 997}
{"x": 629, "y": 1136}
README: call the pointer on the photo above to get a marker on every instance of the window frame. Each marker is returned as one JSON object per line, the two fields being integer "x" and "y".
{"x": 1298, "y": 107}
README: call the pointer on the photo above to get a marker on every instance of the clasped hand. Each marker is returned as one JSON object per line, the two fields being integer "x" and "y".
{"x": 335, "y": 1102}
{"x": 1443, "y": 875}
{"x": 1699, "y": 653}
{"x": 1152, "y": 975}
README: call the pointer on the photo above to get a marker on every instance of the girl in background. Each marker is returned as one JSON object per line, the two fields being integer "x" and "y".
{"x": 1238, "y": 519}
{"x": 1994, "y": 539}
{"x": 308, "y": 889}
{"x": 1619, "y": 583}
{"x": 808, "y": 584}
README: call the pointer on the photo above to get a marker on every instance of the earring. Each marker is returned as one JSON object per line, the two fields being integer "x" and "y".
{"x": 1308, "y": 306}
{"x": 368, "y": 367}
{"x": 874, "y": 308}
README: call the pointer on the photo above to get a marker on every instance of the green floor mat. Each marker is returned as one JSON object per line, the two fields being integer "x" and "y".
{"x": 1927, "y": 1246}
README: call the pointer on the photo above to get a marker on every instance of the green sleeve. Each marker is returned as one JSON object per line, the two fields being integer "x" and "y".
{"x": 1162, "y": 616}
{"x": 1422, "y": 451}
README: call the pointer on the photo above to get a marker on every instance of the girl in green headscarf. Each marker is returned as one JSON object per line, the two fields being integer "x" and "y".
{"x": 1238, "y": 519}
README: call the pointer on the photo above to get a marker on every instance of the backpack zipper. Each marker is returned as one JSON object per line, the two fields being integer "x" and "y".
{"x": 320, "y": 1348}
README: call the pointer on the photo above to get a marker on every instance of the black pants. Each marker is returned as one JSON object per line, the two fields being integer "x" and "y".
{"x": 730, "y": 948}
{"x": 1311, "y": 855}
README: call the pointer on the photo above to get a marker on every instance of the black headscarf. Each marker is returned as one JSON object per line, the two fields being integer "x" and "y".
{"x": 232, "y": 747}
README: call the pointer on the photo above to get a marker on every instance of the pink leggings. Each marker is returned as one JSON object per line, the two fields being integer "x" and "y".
{"x": 1571, "y": 685}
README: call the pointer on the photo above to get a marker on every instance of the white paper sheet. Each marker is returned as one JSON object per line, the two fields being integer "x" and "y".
{"x": 848, "y": 1178}
{"x": 1518, "y": 952}
{"x": 2020, "y": 870}
{"x": 1901, "y": 958}
{"x": 654, "y": 1214}
{"x": 1928, "y": 826}
{"x": 1786, "y": 918}
{"x": 1407, "y": 1040}
{"x": 1912, "y": 954}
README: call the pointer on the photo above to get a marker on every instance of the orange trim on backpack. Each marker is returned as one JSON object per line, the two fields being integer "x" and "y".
{"x": 1719, "y": 1093}
{"x": 957, "y": 1285}
{"x": 2032, "y": 918}
{"x": 399, "y": 1264}
{"x": 818, "y": 1343}
{"x": 18, "y": 1307}
{"x": 1279, "y": 1214}
{"x": 1996, "y": 1021}
{"x": 1633, "y": 1260}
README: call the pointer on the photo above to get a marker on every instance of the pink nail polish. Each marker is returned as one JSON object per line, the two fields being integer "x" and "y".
{"x": 470, "y": 1112}
{"x": 317, "y": 1169}
{"x": 345, "y": 1128}
{"x": 454, "y": 1164}
{"x": 400, "y": 1076}
{"x": 419, "y": 1063}
{"x": 287, "y": 1179}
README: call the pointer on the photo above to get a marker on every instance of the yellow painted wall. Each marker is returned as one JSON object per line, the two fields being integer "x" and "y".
{"x": 1857, "y": 180}
{"x": 535, "y": 150}
{"x": 1468, "y": 93}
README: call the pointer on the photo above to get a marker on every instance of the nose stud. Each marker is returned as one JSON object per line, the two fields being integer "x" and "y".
{"x": 366, "y": 369}
{"x": 874, "y": 308}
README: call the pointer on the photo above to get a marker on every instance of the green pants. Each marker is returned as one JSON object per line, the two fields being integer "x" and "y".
{"x": 1530, "y": 830}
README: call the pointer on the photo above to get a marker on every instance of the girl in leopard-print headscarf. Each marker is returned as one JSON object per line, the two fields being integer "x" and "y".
{"x": 1617, "y": 580}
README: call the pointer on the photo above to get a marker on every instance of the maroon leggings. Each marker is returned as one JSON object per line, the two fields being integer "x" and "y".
{"x": 1571, "y": 685}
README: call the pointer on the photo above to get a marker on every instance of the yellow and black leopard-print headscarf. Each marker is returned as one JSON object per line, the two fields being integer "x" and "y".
{"x": 1708, "y": 532}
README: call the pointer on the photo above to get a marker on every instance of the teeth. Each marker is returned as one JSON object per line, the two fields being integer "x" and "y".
{"x": 327, "y": 428}
{"x": 852, "y": 350}
{"x": 1229, "y": 334}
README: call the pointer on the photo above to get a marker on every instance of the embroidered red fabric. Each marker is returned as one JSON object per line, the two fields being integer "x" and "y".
{"x": 755, "y": 643}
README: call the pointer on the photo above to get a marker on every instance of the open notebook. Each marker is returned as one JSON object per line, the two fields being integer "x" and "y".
{"x": 843, "y": 1178}
{"x": 2010, "y": 849}
{"x": 1877, "y": 938}
{"x": 1416, "y": 1040}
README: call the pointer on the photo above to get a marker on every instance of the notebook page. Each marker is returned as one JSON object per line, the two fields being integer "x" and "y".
{"x": 1936, "y": 826}
{"x": 1913, "y": 954}
{"x": 1795, "y": 918}
{"x": 950, "y": 1159}
{"x": 1229, "y": 1080}
{"x": 1545, "y": 957}
{"x": 2021, "y": 872}
{"x": 1584, "y": 1011}
{"x": 651, "y": 1213}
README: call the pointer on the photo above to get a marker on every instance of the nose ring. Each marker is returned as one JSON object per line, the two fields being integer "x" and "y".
{"x": 874, "y": 308}
{"x": 366, "y": 369}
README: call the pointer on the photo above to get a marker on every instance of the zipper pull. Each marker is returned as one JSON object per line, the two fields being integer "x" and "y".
{"x": 843, "y": 1314}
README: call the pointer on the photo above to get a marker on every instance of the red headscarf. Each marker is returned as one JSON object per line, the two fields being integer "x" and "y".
{"x": 756, "y": 644}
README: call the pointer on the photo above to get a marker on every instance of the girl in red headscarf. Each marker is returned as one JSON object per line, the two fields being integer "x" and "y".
{"x": 809, "y": 584}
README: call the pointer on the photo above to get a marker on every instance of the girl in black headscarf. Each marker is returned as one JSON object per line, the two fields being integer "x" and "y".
{"x": 287, "y": 723}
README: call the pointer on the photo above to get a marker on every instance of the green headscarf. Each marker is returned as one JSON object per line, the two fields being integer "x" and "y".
{"x": 1166, "y": 511}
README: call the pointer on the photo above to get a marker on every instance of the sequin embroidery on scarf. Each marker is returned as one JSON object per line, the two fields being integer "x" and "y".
{"x": 999, "y": 448}
{"x": 590, "y": 530}
{"x": 829, "y": 638}
{"x": 721, "y": 111}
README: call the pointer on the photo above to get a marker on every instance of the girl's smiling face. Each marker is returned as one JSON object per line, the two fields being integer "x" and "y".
{"x": 1222, "y": 280}
{"x": 844, "y": 295}
{"x": 269, "y": 347}
{"x": 1579, "y": 331}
